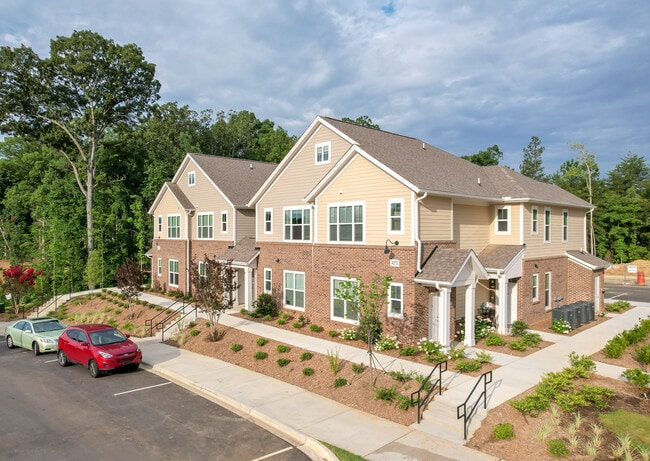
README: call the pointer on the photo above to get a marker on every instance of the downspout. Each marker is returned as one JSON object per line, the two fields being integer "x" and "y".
{"x": 187, "y": 251}
{"x": 417, "y": 231}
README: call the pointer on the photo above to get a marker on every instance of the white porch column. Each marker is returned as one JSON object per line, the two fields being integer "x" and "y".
{"x": 247, "y": 288}
{"x": 470, "y": 298}
{"x": 444, "y": 325}
{"x": 502, "y": 305}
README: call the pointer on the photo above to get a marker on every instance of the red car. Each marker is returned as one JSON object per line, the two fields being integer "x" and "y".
{"x": 99, "y": 347}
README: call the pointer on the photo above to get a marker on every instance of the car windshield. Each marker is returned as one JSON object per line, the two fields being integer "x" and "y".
{"x": 104, "y": 337}
{"x": 50, "y": 325}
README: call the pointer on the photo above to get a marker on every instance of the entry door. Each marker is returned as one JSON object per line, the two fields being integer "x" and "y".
{"x": 434, "y": 316}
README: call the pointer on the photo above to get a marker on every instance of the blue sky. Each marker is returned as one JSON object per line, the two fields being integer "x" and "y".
{"x": 459, "y": 75}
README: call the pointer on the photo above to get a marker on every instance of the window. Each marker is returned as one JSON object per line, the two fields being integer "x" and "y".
{"x": 503, "y": 222}
{"x": 159, "y": 267}
{"x": 205, "y": 223}
{"x": 346, "y": 223}
{"x": 342, "y": 309}
{"x": 547, "y": 225}
{"x": 268, "y": 220}
{"x": 547, "y": 290}
{"x": 535, "y": 220}
{"x": 395, "y": 213}
{"x": 535, "y": 287}
{"x": 160, "y": 224}
{"x": 297, "y": 224}
{"x": 224, "y": 222}
{"x": 202, "y": 269}
{"x": 174, "y": 226}
{"x": 323, "y": 152}
{"x": 294, "y": 290}
{"x": 173, "y": 272}
{"x": 268, "y": 287}
{"x": 395, "y": 300}
{"x": 565, "y": 226}
{"x": 191, "y": 178}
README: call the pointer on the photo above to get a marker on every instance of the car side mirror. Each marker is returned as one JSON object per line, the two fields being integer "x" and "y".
{"x": 83, "y": 343}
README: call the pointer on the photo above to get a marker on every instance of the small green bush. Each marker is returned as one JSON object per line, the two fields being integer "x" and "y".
{"x": 332, "y": 333}
{"x": 339, "y": 382}
{"x": 297, "y": 325}
{"x": 265, "y": 305}
{"x": 305, "y": 356}
{"x": 408, "y": 351}
{"x": 561, "y": 326}
{"x": 457, "y": 353}
{"x": 194, "y": 332}
{"x": 386, "y": 393}
{"x": 267, "y": 318}
{"x": 261, "y": 341}
{"x": 403, "y": 402}
{"x": 617, "y": 306}
{"x": 259, "y": 355}
{"x": 518, "y": 328}
{"x": 518, "y": 345}
{"x": 315, "y": 328}
{"x": 503, "y": 431}
{"x": 615, "y": 347}
{"x": 307, "y": 371}
{"x": 495, "y": 340}
{"x": 468, "y": 365}
{"x": 642, "y": 354}
{"x": 282, "y": 349}
{"x": 191, "y": 325}
{"x": 283, "y": 362}
{"x": 531, "y": 339}
{"x": 236, "y": 347}
{"x": 385, "y": 343}
{"x": 358, "y": 367}
{"x": 429, "y": 347}
{"x": 558, "y": 448}
{"x": 532, "y": 404}
{"x": 483, "y": 357}
{"x": 282, "y": 321}
{"x": 637, "y": 377}
{"x": 400, "y": 375}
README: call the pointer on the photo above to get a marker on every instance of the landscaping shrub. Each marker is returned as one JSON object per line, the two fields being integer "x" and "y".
{"x": 561, "y": 326}
{"x": 315, "y": 328}
{"x": 503, "y": 431}
{"x": 281, "y": 322}
{"x": 334, "y": 361}
{"x": 358, "y": 367}
{"x": 282, "y": 349}
{"x": 259, "y": 355}
{"x": 429, "y": 347}
{"x": 482, "y": 327}
{"x": 385, "y": 343}
{"x": 457, "y": 353}
{"x": 615, "y": 347}
{"x": 495, "y": 340}
{"x": 306, "y": 356}
{"x": 531, "y": 339}
{"x": 332, "y": 333}
{"x": 297, "y": 325}
{"x": 400, "y": 375}
{"x": 261, "y": 341}
{"x": 483, "y": 357}
{"x": 642, "y": 354}
{"x": 518, "y": 328}
{"x": 339, "y": 382}
{"x": 267, "y": 318}
{"x": 348, "y": 333}
{"x": 557, "y": 447}
{"x": 408, "y": 351}
{"x": 617, "y": 306}
{"x": 468, "y": 365}
{"x": 638, "y": 378}
{"x": 307, "y": 371}
{"x": 265, "y": 305}
{"x": 283, "y": 362}
{"x": 194, "y": 332}
{"x": 236, "y": 347}
{"x": 386, "y": 393}
{"x": 403, "y": 402}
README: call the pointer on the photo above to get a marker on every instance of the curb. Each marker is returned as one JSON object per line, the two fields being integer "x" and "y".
{"x": 308, "y": 445}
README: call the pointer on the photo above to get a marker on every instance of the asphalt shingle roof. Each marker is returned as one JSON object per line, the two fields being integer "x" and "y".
{"x": 498, "y": 256}
{"x": 444, "y": 265}
{"x": 589, "y": 259}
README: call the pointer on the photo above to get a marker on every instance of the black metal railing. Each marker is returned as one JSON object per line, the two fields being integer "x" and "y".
{"x": 164, "y": 328}
{"x": 166, "y": 312}
{"x": 422, "y": 402}
{"x": 485, "y": 378}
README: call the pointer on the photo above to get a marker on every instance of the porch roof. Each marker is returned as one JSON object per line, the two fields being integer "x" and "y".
{"x": 243, "y": 254}
{"x": 499, "y": 256}
{"x": 446, "y": 265}
{"x": 588, "y": 260}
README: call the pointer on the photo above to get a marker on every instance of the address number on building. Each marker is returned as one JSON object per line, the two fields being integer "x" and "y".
{"x": 394, "y": 263}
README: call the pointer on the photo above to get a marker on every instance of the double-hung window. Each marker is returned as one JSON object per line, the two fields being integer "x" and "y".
{"x": 323, "y": 152}
{"x": 343, "y": 308}
{"x": 547, "y": 290}
{"x": 224, "y": 222}
{"x": 297, "y": 224}
{"x": 202, "y": 269}
{"x": 503, "y": 220}
{"x": 173, "y": 272}
{"x": 174, "y": 226}
{"x": 268, "y": 220}
{"x": 565, "y": 226}
{"x": 395, "y": 216}
{"x": 346, "y": 223}
{"x": 535, "y": 287}
{"x": 159, "y": 267}
{"x": 395, "y": 302}
{"x": 205, "y": 223}
{"x": 160, "y": 224}
{"x": 534, "y": 220}
{"x": 191, "y": 178}
{"x": 294, "y": 290}
{"x": 547, "y": 225}
{"x": 268, "y": 286}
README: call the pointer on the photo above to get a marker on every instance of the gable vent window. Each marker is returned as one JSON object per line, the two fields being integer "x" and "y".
{"x": 323, "y": 152}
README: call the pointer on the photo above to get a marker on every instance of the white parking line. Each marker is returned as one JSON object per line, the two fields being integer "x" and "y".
{"x": 50, "y": 361}
{"x": 613, "y": 297}
{"x": 141, "y": 389}
{"x": 270, "y": 455}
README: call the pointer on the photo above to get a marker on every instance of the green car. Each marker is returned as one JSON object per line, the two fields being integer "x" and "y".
{"x": 38, "y": 334}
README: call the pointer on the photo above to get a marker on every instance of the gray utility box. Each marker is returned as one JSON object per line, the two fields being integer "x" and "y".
{"x": 581, "y": 312}
{"x": 565, "y": 313}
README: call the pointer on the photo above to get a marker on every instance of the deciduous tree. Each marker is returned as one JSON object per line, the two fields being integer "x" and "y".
{"x": 18, "y": 281}
{"x": 129, "y": 280}
{"x": 488, "y": 157}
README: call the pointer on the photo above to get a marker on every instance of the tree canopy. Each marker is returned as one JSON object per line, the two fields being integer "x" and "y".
{"x": 531, "y": 162}
{"x": 488, "y": 157}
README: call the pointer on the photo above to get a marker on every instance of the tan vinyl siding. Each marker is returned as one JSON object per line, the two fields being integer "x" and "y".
{"x": 535, "y": 245}
{"x": 245, "y": 224}
{"x": 169, "y": 206}
{"x": 362, "y": 182}
{"x": 299, "y": 177}
{"x": 513, "y": 236}
{"x": 471, "y": 225}
{"x": 435, "y": 218}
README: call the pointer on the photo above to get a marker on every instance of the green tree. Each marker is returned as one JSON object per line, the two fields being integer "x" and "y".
{"x": 129, "y": 280}
{"x": 88, "y": 88}
{"x": 362, "y": 120}
{"x": 18, "y": 281}
{"x": 531, "y": 162}
{"x": 488, "y": 157}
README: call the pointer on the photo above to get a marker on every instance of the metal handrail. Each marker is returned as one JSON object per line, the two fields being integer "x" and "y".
{"x": 164, "y": 329}
{"x": 466, "y": 416}
{"x": 149, "y": 322}
{"x": 423, "y": 402}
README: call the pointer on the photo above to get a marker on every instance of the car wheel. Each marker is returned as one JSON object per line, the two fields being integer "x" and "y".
{"x": 36, "y": 349}
{"x": 134, "y": 366}
{"x": 62, "y": 359}
{"x": 94, "y": 369}
{"x": 10, "y": 342}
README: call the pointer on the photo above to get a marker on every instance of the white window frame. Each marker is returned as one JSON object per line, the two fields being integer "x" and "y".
{"x": 268, "y": 220}
{"x": 536, "y": 286}
{"x": 223, "y": 222}
{"x": 534, "y": 221}
{"x": 399, "y": 218}
{"x": 353, "y": 224}
{"x": 392, "y": 300}
{"x": 173, "y": 274}
{"x": 498, "y": 220}
{"x": 285, "y": 289}
{"x": 200, "y": 228}
{"x": 159, "y": 265}
{"x": 548, "y": 300}
{"x": 191, "y": 178}
{"x": 202, "y": 269}
{"x": 268, "y": 280}
{"x": 548, "y": 218}
{"x": 324, "y": 150}
{"x": 170, "y": 228}
{"x": 160, "y": 224}
{"x": 565, "y": 225}
{"x": 291, "y": 226}
{"x": 334, "y": 299}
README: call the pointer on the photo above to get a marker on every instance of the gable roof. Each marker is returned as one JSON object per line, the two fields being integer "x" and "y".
{"x": 499, "y": 256}
{"x": 244, "y": 254}
{"x": 446, "y": 264}
{"x": 177, "y": 193}
{"x": 588, "y": 260}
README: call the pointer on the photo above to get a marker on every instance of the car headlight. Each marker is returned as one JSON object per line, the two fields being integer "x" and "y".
{"x": 47, "y": 341}
{"x": 105, "y": 355}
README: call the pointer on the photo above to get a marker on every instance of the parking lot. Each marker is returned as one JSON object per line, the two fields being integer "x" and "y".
{"x": 62, "y": 413}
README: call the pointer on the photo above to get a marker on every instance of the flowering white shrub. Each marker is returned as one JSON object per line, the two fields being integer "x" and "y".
{"x": 385, "y": 343}
{"x": 348, "y": 333}
{"x": 561, "y": 326}
{"x": 429, "y": 347}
